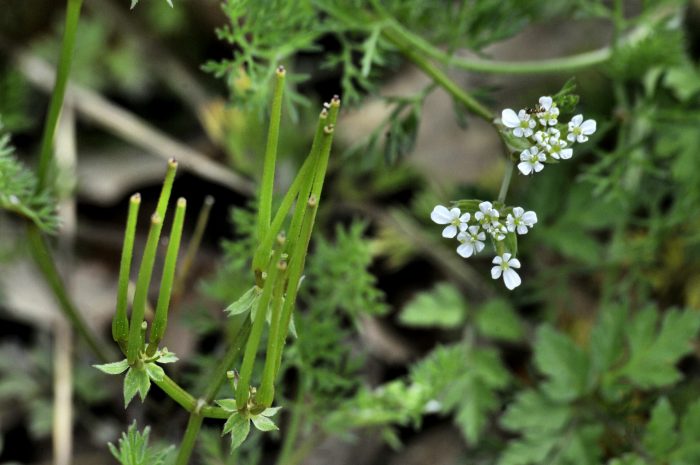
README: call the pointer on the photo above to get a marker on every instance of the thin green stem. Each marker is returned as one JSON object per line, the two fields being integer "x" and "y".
{"x": 262, "y": 253}
{"x": 409, "y": 51}
{"x": 291, "y": 432}
{"x": 192, "y": 247}
{"x": 120, "y": 322}
{"x": 160, "y": 321}
{"x": 218, "y": 378}
{"x": 505, "y": 183}
{"x": 167, "y": 188}
{"x": 177, "y": 393}
{"x": 143, "y": 282}
{"x": 43, "y": 258}
{"x": 46, "y": 151}
{"x": 267, "y": 386}
{"x": 268, "y": 175}
{"x": 194, "y": 424}
{"x": 251, "y": 349}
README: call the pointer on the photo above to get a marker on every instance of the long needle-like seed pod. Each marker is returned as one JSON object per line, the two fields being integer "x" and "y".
{"x": 160, "y": 320}
{"x": 120, "y": 323}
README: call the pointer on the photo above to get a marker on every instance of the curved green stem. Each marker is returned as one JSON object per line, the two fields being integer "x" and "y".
{"x": 189, "y": 439}
{"x": 46, "y": 151}
{"x": 507, "y": 176}
{"x": 43, "y": 258}
{"x": 409, "y": 51}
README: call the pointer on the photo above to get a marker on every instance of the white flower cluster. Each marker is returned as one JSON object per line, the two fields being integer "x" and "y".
{"x": 541, "y": 127}
{"x": 487, "y": 220}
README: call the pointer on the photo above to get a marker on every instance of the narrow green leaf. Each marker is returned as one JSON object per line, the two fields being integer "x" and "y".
{"x": 271, "y": 412}
{"x": 113, "y": 368}
{"x": 144, "y": 383}
{"x": 263, "y": 423}
{"x": 244, "y": 302}
{"x": 228, "y": 404}
{"x": 155, "y": 372}
{"x": 131, "y": 386}
{"x": 239, "y": 427}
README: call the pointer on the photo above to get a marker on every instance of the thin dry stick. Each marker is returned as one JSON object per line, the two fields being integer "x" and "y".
{"x": 130, "y": 127}
{"x": 66, "y": 160}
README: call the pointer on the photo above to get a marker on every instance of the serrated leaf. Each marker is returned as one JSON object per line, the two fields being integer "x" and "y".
{"x": 115, "y": 368}
{"x": 497, "y": 319}
{"x": 655, "y": 354}
{"x": 155, "y": 372}
{"x": 144, "y": 382}
{"x": 531, "y": 411}
{"x": 607, "y": 339}
{"x": 660, "y": 436}
{"x": 264, "y": 423}
{"x": 528, "y": 451}
{"x": 239, "y": 428}
{"x": 228, "y": 404}
{"x": 441, "y": 307}
{"x": 244, "y": 303}
{"x": 131, "y": 386}
{"x": 564, "y": 363}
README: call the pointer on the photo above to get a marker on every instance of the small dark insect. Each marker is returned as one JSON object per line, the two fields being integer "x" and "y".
{"x": 532, "y": 111}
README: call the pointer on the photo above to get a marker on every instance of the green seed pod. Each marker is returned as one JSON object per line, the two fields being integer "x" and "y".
{"x": 120, "y": 323}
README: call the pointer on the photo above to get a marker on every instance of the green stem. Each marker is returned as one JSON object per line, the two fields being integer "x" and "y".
{"x": 218, "y": 378}
{"x": 507, "y": 176}
{"x": 160, "y": 320}
{"x": 120, "y": 323}
{"x": 409, "y": 51}
{"x": 192, "y": 247}
{"x": 251, "y": 349}
{"x": 194, "y": 424}
{"x": 143, "y": 282}
{"x": 291, "y": 432}
{"x": 554, "y": 65}
{"x": 46, "y": 151}
{"x": 166, "y": 189}
{"x": 268, "y": 175}
{"x": 42, "y": 255}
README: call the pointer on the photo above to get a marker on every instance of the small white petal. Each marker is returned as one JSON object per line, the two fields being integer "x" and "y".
{"x": 522, "y": 229}
{"x": 518, "y": 132}
{"x": 538, "y": 167}
{"x": 481, "y": 236}
{"x": 581, "y": 139}
{"x": 514, "y": 263}
{"x": 449, "y": 232}
{"x": 530, "y": 218}
{"x": 485, "y": 207}
{"x": 511, "y": 278}
{"x": 518, "y": 211}
{"x": 464, "y": 218}
{"x": 479, "y": 245}
{"x": 496, "y": 272}
{"x": 525, "y": 167}
{"x": 546, "y": 102}
{"x": 566, "y": 153}
{"x": 588, "y": 127}
{"x": 497, "y": 260}
{"x": 441, "y": 215}
{"x": 509, "y": 118}
{"x": 466, "y": 250}
{"x": 571, "y": 137}
{"x": 577, "y": 120}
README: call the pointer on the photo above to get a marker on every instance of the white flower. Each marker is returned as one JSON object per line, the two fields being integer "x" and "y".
{"x": 558, "y": 150}
{"x": 487, "y": 215}
{"x": 452, "y": 217}
{"x": 472, "y": 241}
{"x": 520, "y": 220}
{"x": 497, "y": 231}
{"x": 504, "y": 266}
{"x": 521, "y": 124}
{"x": 579, "y": 130}
{"x": 531, "y": 160}
{"x": 549, "y": 113}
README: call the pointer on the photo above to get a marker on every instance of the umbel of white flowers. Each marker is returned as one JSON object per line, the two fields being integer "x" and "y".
{"x": 471, "y": 230}
{"x": 540, "y": 126}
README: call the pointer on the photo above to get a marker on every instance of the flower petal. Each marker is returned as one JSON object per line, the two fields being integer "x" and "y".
{"x": 511, "y": 278}
{"x": 546, "y": 102}
{"x": 509, "y": 118}
{"x": 525, "y": 167}
{"x": 588, "y": 127}
{"x": 514, "y": 263}
{"x": 496, "y": 272}
{"x": 497, "y": 260}
{"x": 465, "y": 250}
{"x": 450, "y": 231}
{"x": 530, "y": 218}
{"x": 440, "y": 215}
{"x": 577, "y": 120}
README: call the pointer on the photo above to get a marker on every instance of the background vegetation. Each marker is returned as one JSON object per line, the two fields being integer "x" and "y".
{"x": 405, "y": 353}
